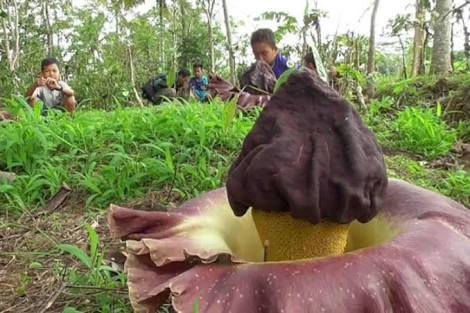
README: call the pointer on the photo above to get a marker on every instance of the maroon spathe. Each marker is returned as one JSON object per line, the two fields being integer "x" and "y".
{"x": 309, "y": 153}
{"x": 425, "y": 268}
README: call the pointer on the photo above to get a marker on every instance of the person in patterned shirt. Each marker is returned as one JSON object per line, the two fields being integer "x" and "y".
{"x": 51, "y": 90}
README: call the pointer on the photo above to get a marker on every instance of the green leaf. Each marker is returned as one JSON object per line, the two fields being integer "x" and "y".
{"x": 230, "y": 110}
{"x": 5, "y": 188}
{"x": 107, "y": 268}
{"x": 35, "y": 265}
{"x": 169, "y": 159}
{"x": 78, "y": 253}
{"x": 439, "y": 109}
{"x": 283, "y": 79}
{"x": 70, "y": 310}
{"x": 196, "y": 306}
{"x": 171, "y": 79}
{"x": 93, "y": 241}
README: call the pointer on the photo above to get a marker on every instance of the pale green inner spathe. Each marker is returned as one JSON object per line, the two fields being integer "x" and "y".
{"x": 219, "y": 229}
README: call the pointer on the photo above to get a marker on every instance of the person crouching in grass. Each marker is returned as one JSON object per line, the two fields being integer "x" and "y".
{"x": 51, "y": 90}
{"x": 200, "y": 84}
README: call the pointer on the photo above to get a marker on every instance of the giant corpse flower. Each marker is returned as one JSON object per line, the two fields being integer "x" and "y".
{"x": 308, "y": 223}
{"x": 414, "y": 256}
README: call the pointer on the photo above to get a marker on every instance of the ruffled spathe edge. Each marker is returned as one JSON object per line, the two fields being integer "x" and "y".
{"x": 190, "y": 257}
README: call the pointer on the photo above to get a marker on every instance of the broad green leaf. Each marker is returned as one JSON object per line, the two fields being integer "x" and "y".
{"x": 171, "y": 79}
{"x": 4, "y": 188}
{"x": 284, "y": 78}
{"x": 230, "y": 110}
{"x": 93, "y": 241}
{"x": 78, "y": 253}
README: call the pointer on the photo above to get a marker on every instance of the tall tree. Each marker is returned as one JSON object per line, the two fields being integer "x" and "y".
{"x": 161, "y": 4}
{"x": 231, "y": 58}
{"x": 208, "y": 7}
{"x": 131, "y": 64}
{"x": 400, "y": 25}
{"x": 11, "y": 37}
{"x": 466, "y": 33}
{"x": 419, "y": 37}
{"x": 311, "y": 19}
{"x": 441, "y": 50}
{"x": 47, "y": 23}
{"x": 371, "y": 54}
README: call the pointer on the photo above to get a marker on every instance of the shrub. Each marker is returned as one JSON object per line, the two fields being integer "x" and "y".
{"x": 422, "y": 131}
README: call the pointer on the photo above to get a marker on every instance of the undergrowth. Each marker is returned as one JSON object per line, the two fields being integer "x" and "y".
{"x": 119, "y": 155}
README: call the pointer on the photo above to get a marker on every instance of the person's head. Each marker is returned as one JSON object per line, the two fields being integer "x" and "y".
{"x": 263, "y": 44}
{"x": 50, "y": 68}
{"x": 333, "y": 72}
{"x": 183, "y": 73}
{"x": 309, "y": 61}
{"x": 197, "y": 70}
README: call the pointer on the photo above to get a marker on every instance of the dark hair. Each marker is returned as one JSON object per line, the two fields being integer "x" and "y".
{"x": 48, "y": 61}
{"x": 265, "y": 35}
{"x": 309, "y": 58}
{"x": 196, "y": 65}
{"x": 184, "y": 72}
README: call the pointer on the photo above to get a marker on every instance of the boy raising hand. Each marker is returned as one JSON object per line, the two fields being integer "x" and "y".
{"x": 53, "y": 92}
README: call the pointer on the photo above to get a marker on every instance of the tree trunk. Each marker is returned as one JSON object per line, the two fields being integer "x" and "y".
{"x": 319, "y": 42}
{"x": 174, "y": 60}
{"x": 440, "y": 62}
{"x": 208, "y": 7}
{"x": 233, "y": 76}
{"x": 466, "y": 33}
{"x": 49, "y": 34}
{"x": 357, "y": 56}
{"x": 419, "y": 38}
{"x": 211, "y": 48}
{"x": 131, "y": 63}
{"x": 161, "y": 4}
{"x": 11, "y": 40}
{"x": 116, "y": 21}
{"x": 403, "y": 57}
{"x": 351, "y": 48}
{"x": 371, "y": 53}
{"x": 452, "y": 55}
{"x": 426, "y": 56}
{"x": 333, "y": 52}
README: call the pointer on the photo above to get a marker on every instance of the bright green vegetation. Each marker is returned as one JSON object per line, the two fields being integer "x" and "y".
{"x": 111, "y": 157}
{"x": 421, "y": 132}
{"x": 424, "y": 132}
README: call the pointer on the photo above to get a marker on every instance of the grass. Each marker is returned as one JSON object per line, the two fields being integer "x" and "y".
{"x": 452, "y": 183}
{"x": 423, "y": 131}
{"x": 158, "y": 154}
{"x": 119, "y": 155}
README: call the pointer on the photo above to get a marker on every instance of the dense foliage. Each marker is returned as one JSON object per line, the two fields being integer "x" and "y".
{"x": 116, "y": 156}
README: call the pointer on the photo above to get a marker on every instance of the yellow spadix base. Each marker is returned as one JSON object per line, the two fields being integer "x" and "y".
{"x": 293, "y": 239}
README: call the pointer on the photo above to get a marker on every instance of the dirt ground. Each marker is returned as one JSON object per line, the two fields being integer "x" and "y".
{"x": 33, "y": 271}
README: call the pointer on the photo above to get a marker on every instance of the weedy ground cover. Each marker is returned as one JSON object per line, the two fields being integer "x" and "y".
{"x": 119, "y": 155}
